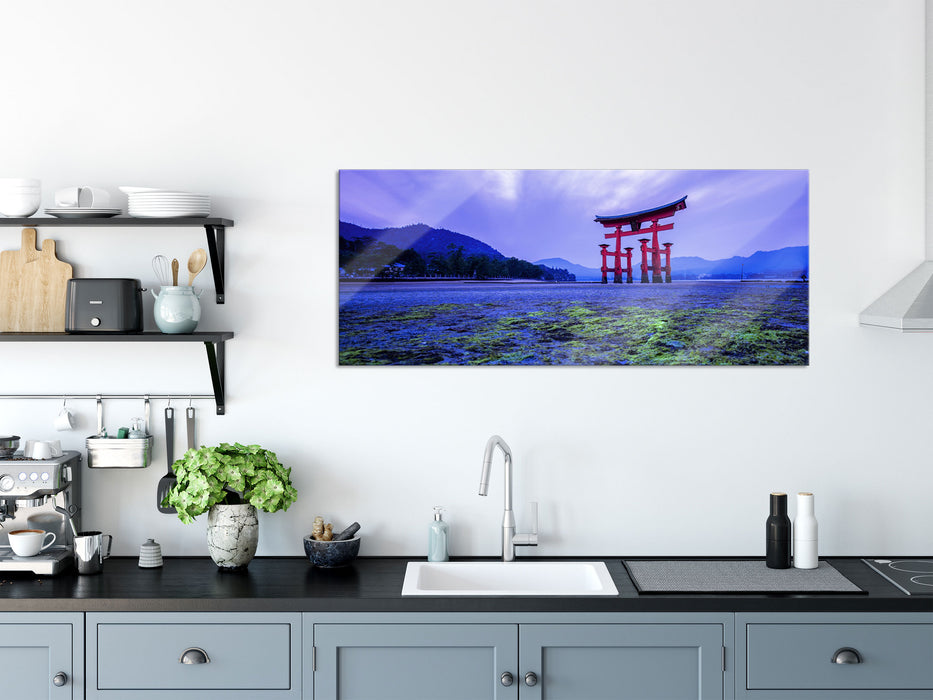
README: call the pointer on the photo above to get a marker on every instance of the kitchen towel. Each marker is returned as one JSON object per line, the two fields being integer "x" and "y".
{"x": 734, "y": 576}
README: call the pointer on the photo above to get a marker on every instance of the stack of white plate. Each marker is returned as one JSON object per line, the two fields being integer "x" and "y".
{"x": 166, "y": 204}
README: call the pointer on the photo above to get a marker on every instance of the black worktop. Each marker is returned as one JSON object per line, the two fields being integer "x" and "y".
{"x": 290, "y": 584}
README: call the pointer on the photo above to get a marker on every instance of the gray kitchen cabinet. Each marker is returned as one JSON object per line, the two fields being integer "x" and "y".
{"x": 208, "y": 656}
{"x": 638, "y": 661}
{"x": 835, "y": 656}
{"x": 517, "y": 657}
{"x": 42, "y": 655}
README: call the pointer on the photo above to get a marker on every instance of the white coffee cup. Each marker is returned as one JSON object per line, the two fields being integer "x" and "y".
{"x": 37, "y": 449}
{"x": 28, "y": 543}
{"x": 85, "y": 197}
{"x": 65, "y": 420}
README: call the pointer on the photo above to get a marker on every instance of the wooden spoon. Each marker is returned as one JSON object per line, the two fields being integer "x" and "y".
{"x": 174, "y": 272}
{"x": 196, "y": 263}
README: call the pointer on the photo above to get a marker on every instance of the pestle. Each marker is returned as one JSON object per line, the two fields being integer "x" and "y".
{"x": 349, "y": 532}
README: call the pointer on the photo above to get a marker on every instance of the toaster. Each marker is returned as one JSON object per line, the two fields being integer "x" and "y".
{"x": 104, "y": 305}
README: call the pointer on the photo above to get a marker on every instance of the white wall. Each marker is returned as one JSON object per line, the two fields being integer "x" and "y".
{"x": 260, "y": 104}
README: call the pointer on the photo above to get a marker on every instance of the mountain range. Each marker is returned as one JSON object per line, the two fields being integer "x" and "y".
{"x": 785, "y": 263}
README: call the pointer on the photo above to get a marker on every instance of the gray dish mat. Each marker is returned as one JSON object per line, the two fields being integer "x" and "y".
{"x": 734, "y": 576}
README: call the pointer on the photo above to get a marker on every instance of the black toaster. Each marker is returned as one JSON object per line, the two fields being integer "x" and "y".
{"x": 104, "y": 305}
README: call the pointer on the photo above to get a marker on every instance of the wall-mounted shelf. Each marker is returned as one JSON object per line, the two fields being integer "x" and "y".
{"x": 213, "y": 345}
{"x": 214, "y": 228}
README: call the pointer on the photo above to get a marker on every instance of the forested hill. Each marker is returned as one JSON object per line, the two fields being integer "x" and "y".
{"x": 421, "y": 238}
{"x": 419, "y": 251}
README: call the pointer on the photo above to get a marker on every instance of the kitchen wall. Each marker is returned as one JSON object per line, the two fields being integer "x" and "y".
{"x": 260, "y": 104}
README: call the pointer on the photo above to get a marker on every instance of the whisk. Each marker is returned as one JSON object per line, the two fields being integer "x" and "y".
{"x": 160, "y": 267}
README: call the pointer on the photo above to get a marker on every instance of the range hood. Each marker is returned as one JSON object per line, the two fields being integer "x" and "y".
{"x": 907, "y": 306}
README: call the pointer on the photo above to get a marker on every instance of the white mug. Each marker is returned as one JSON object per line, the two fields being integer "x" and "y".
{"x": 85, "y": 197}
{"x": 28, "y": 543}
{"x": 64, "y": 420}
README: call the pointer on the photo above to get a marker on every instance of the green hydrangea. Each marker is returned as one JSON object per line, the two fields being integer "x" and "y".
{"x": 229, "y": 474}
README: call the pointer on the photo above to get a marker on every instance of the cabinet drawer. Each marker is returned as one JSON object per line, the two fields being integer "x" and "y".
{"x": 250, "y": 656}
{"x": 799, "y": 656}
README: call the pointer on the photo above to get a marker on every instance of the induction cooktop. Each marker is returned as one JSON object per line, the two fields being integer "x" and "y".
{"x": 913, "y": 576}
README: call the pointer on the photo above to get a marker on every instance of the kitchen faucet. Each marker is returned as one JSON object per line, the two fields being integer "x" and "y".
{"x": 510, "y": 540}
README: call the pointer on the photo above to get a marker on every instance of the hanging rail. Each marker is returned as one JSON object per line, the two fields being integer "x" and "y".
{"x": 138, "y": 397}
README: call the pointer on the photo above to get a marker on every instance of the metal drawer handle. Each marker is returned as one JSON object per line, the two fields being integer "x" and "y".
{"x": 531, "y": 679}
{"x": 847, "y": 655}
{"x": 194, "y": 655}
{"x": 506, "y": 679}
{"x": 59, "y": 679}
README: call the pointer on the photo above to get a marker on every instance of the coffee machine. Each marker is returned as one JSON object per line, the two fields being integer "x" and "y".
{"x": 40, "y": 494}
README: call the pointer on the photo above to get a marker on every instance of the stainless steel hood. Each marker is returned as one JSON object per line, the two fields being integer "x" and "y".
{"x": 907, "y": 306}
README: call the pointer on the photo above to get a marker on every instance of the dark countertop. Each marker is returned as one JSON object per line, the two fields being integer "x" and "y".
{"x": 290, "y": 584}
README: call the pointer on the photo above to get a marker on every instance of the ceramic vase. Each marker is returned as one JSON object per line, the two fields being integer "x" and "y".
{"x": 232, "y": 535}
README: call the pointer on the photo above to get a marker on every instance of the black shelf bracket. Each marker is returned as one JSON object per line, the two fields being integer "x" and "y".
{"x": 215, "y": 361}
{"x": 215, "y": 248}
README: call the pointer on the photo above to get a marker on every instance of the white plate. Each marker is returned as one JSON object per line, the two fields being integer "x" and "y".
{"x": 134, "y": 190}
{"x": 169, "y": 215}
{"x": 82, "y": 213}
{"x": 158, "y": 194}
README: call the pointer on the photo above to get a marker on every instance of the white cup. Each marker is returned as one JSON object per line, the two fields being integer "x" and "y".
{"x": 37, "y": 449}
{"x": 85, "y": 197}
{"x": 65, "y": 420}
{"x": 28, "y": 543}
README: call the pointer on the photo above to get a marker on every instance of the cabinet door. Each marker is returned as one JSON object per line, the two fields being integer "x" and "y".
{"x": 414, "y": 662}
{"x": 31, "y": 655}
{"x": 638, "y": 661}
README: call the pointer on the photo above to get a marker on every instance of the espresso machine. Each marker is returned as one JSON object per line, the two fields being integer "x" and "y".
{"x": 40, "y": 494}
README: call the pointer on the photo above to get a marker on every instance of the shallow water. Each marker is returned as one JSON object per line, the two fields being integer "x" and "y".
{"x": 511, "y": 323}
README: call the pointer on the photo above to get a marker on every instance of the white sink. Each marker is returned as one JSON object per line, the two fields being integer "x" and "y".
{"x": 496, "y": 578}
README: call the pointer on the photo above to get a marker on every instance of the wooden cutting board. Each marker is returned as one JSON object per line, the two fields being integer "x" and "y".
{"x": 33, "y": 286}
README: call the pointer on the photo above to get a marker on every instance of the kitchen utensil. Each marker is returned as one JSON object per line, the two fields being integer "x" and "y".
{"x": 174, "y": 272}
{"x": 89, "y": 551}
{"x": 176, "y": 309}
{"x": 169, "y": 480}
{"x": 189, "y": 415}
{"x": 161, "y": 269}
{"x": 332, "y": 554}
{"x": 104, "y": 305}
{"x": 195, "y": 264}
{"x": 32, "y": 287}
{"x": 348, "y": 532}
{"x": 8, "y": 445}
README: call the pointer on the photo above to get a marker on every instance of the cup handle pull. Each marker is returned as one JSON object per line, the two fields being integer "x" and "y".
{"x": 109, "y": 546}
{"x": 46, "y": 545}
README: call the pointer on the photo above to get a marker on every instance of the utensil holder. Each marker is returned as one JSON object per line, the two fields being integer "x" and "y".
{"x": 118, "y": 453}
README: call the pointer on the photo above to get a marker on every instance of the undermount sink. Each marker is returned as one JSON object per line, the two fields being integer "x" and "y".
{"x": 496, "y": 578}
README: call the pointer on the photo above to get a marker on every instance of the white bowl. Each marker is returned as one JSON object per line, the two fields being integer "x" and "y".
{"x": 19, "y": 204}
{"x": 20, "y": 182}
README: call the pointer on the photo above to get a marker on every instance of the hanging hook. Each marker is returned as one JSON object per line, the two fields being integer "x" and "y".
{"x": 189, "y": 400}
{"x": 169, "y": 402}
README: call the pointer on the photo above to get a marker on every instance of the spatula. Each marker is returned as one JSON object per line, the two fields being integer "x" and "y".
{"x": 168, "y": 481}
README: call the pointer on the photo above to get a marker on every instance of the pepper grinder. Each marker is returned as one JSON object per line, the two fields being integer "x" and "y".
{"x": 777, "y": 544}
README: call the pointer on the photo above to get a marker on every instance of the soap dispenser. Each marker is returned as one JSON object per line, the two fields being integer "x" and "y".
{"x": 437, "y": 537}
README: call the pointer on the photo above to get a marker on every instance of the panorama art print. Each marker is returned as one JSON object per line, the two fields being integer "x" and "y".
{"x": 574, "y": 267}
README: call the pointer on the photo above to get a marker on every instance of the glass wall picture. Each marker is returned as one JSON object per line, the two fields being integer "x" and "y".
{"x": 573, "y": 267}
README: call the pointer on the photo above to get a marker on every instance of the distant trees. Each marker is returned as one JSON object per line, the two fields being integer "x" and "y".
{"x": 369, "y": 258}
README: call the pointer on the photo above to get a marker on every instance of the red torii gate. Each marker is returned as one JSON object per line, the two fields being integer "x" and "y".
{"x": 634, "y": 221}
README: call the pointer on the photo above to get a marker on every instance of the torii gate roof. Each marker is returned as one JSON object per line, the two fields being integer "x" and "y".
{"x": 644, "y": 215}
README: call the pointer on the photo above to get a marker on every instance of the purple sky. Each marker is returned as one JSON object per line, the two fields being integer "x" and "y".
{"x": 537, "y": 214}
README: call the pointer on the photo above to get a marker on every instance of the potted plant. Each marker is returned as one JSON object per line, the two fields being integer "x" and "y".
{"x": 229, "y": 482}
